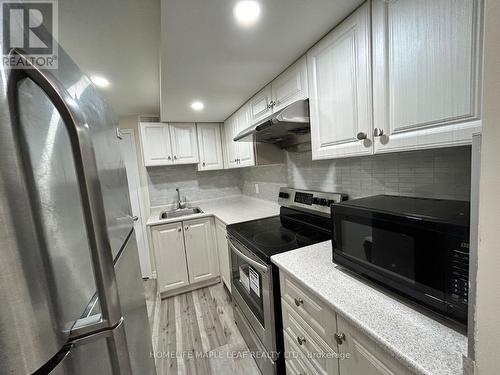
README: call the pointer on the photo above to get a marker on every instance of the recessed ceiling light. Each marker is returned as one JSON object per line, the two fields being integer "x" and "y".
{"x": 197, "y": 106}
{"x": 100, "y": 81}
{"x": 247, "y": 12}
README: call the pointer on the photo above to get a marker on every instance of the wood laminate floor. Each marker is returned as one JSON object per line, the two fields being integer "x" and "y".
{"x": 195, "y": 334}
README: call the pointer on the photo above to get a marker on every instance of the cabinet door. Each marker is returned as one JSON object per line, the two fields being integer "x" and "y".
{"x": 291, "y": 85}
{"x": 223, "y": 251}
{"x": 339, "y": 71}
{"x": 246, "y": 155}
{"x": 364, "y": 356}
{"x": 260, "y": 105}
{"x": 231, "y": 147}
{"x": 210, "y": 147}
{"x": 200, "y": 250}
{"x": 156, "y": 144}
{"x": 426, "y": 59}
{"x": 171, "y": 267}
{"x": 184, "y": 143}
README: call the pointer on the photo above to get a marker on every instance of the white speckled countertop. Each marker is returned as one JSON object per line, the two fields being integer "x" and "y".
{"x": 229, "y": 210}
{"x": 422, "y": 344}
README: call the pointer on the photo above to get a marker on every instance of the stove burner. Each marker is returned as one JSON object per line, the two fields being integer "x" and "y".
{"x": 274, "y": 238}
{"x": 305, "y": 236}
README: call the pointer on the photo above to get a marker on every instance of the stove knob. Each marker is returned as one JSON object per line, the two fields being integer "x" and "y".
{"x": 280, "y": 194}
{"x": 323, "y": 202}
{"x": 286, "y": 195}
{"x": 330, "y": 202}
{"x": 315, "y": 200}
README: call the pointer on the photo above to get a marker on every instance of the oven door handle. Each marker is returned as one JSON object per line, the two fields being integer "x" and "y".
{"x": 252, "y": 262}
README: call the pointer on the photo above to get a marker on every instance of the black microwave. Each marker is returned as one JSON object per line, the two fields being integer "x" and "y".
{"x": 414, "y": 246}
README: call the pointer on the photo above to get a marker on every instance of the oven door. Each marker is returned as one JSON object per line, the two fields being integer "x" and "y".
{"x": 252, "y": 291}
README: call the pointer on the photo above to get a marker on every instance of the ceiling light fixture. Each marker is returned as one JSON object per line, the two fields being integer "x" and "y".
{"x": 247, "y": 12}
{"x": 197, "y": 106}
{"x": 100, "y": 81}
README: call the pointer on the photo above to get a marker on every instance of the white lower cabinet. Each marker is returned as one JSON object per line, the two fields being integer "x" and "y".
{"x": 319, "y": 341}
{"x": 200, "y": 250}
{"x": 223, "y": 252}
{"x": 185, "y": 254}
{"x": 365, "y": 356}
{"x": 171, "y": 265}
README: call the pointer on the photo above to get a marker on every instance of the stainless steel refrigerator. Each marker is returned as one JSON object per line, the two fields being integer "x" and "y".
{"x": 71, "y": 293}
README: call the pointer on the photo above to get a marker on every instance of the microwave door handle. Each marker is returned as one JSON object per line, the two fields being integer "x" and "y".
{"x": 250, "y": 261}
{"x": 88, "y": 181}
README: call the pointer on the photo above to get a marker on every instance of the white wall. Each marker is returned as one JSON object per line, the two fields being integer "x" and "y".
{"x": 488, "y": 278}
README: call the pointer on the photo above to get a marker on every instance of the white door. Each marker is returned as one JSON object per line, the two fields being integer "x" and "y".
{"x": 129, "y": 153}
{"x": 246, "y": 155}
{"x": 426, "y": 60}
{"x": 260, "y": 105}
{"x": 171, "y": 267}
{"x": 231, "y": 147}
{"x": 291, "y": 85}
{"x": 156, "y": 145}
{"x": 223, "y": 252}
{"x": 340, "y": 89}
{"x": 210, "y": 146}
{"x": 184, "y": 143}
{"x": 200, "y": 250}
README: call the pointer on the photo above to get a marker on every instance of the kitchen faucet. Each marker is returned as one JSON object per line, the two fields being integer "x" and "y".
{"x": 180, "y": 203}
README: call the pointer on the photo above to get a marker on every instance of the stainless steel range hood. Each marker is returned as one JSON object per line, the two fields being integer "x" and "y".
{"x": 288, "y": 128}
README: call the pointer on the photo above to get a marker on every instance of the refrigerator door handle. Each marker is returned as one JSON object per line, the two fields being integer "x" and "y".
{"x": 90, "y": 191}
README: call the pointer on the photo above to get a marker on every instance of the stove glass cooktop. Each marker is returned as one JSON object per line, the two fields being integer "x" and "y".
{"x": 288, "y": 231}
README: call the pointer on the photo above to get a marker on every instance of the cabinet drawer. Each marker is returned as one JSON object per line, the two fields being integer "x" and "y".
{"x": 315, "y": 350}
{"x": 315, "y": 312}
{"x": 295, "y": 361}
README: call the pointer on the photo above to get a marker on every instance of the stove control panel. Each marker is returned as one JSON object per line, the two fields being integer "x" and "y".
{"x": 313, "y": 201}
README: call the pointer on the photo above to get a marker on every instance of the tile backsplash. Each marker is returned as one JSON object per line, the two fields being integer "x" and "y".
{"x": 439, "y": 173}
{"x": 194, "y": 185}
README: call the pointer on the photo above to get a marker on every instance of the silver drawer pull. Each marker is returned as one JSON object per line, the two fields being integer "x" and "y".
{"x": 301, "y": 340}
{"x": 340, "y": 338}
{"x": 299, "y": 301}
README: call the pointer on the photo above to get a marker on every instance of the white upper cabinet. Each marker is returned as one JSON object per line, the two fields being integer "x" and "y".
{"x": 230, "y": 146}
{"x": 246, "y": 154}
{"x": 339, "y": 73}
{"x": 426, "y": 61}
{"x": 290, "y": 86}
{"x": 168, "y": 144}
{"x": 210, "y": 146}
{"x": 156, "y": 144}
{"x": 259, "y": 106}
{"x": 184, "y": 143}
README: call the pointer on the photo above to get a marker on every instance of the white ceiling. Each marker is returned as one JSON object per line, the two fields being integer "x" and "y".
{"x": 118, "y": 39}
{"x": 206, "y": 56}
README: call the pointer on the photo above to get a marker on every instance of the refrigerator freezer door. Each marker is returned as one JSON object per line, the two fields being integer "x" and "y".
{"x": 133, "y": 303}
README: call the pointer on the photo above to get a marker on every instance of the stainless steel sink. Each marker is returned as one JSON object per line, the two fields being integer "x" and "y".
{"x": 180, "y": 212}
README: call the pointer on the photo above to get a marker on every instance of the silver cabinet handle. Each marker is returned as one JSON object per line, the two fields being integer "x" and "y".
{"x": 340, "y": 338}
{"x": 186, "y": 228}
{"x": 179, "y": 229}
{"x": 301, "y": 340}
{"x": 204, "y": 164}
{"x": 135, "y": 218}
{"x": 247, "y": 259}
{"x": 175, "y": 157}
{"x": 119, "y": 133}
{"x": 169, "y": 158}
{"x": 361, "y": 136}
{"x": 84, "y": 159}
{"x": 378, "y": 132}
{"x": 298, "y": 301}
